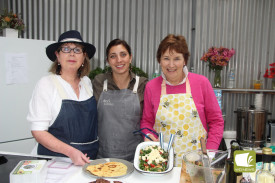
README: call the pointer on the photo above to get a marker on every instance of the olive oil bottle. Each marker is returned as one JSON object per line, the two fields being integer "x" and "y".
{"x": 231, "y": 176}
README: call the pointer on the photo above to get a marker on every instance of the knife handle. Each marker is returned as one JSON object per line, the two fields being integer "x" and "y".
{"x": 203, "y": 146}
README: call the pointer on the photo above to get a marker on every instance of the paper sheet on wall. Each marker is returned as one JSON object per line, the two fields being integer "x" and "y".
{"x": 16, "y": 68}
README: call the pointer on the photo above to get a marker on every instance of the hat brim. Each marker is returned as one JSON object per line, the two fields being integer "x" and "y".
{"x": 50, "y": 50}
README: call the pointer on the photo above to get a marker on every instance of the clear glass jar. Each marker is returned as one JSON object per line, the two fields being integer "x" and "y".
{"x": 217, "y": 78}
{"x": 265, "y": 175}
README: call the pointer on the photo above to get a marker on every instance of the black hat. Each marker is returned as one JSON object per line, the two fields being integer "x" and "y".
{"x": 71, "y": 36}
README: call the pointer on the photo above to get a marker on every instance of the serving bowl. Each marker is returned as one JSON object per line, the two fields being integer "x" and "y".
{"x": 143, "y": 145}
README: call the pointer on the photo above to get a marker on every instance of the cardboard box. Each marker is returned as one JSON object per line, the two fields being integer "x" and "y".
{"x": 29, "y": 171}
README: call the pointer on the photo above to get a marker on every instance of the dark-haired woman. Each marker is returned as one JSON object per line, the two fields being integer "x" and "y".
{"x": 119, "y": 94}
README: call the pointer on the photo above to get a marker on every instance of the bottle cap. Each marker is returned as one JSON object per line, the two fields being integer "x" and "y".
{"x": 267, "y": 150}
{"x": 234, "y": 143}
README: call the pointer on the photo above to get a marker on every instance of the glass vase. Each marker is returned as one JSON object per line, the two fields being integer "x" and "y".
{"x": 217, "y": 78}
{"x": 273, "y": 83}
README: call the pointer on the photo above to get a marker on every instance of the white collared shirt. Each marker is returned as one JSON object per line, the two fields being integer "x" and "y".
{"x": 45, "y": 103}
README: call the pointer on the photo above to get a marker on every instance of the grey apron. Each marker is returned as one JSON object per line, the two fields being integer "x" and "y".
{"x": 118, "y": 117}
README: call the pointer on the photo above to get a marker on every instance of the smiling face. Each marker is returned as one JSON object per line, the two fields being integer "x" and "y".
{"x": 172, "y": 64}
{"x": 119, "y": 59}
{"x": 71, "y": 61}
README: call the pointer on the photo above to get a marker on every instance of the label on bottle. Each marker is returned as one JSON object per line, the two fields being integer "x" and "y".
{"x": 244, "y": 161}
{"x": 156, "y": 74}
{"x": 231, "y": 79}
{"x": 265, "y": 177}
{"x": 231, "y": 75}
{"x": 218, "y": 94}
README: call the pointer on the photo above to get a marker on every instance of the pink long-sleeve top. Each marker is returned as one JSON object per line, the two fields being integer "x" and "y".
{"x": 204, "y": 99}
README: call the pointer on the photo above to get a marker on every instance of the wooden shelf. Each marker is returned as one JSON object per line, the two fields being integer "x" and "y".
{"x": 240, "y": 90}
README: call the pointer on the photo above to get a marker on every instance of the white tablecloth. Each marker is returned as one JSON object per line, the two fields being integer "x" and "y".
{"x": 73, "y": 174}
{"x": 135, "y": 177}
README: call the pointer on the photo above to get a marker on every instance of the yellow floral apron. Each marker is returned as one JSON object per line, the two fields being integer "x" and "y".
{"x": 177, "y": 114}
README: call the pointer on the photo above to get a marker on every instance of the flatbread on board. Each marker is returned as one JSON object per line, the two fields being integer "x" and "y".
{"x": 110, "y": 169}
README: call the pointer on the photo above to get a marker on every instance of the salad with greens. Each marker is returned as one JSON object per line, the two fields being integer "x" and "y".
{"x": 153, "y": 158}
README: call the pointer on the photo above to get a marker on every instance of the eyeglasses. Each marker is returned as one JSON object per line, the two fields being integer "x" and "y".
{"x": 76, "y": 50}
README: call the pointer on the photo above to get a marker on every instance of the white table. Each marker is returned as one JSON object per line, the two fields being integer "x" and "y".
{"x": 135, "y": 177}
{"x": 75, "y": 174}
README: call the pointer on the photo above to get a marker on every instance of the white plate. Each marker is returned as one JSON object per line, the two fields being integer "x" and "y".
{"x": 145, "y": 144}
{"x": 130, "y": 167}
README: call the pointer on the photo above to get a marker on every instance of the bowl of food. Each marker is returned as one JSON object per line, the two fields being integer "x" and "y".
{"x": 192, "y": 165}
{"x": 151, "y": 159}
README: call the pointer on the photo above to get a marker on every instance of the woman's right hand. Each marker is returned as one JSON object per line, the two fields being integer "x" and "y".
{"x": 152, "y": 137}
{"x": 54, "y": 144}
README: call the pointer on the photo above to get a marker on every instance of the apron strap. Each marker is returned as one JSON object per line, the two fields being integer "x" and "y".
{"x": 59, "y": 88}
{"x": 163, "y": 87}
{"x": 89, "y": 92}
{"x": 188, "y": 88}
{"x": 105, "y": 85}
{"x": 136, "y": 84}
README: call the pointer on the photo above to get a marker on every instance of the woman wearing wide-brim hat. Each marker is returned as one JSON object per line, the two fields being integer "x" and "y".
{"x": 62, "y": 110}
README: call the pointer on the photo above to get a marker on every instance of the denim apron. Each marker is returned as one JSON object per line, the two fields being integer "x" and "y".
{"x": 177, "y": 114}
{"x": 118, "y": 117}
{"x": 76, "y": 124}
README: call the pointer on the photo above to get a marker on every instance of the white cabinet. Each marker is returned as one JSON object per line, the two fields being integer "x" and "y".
{"x": 14, "y": 98}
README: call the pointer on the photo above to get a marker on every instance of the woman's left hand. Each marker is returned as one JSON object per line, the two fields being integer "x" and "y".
{"x": 152, "y": 137}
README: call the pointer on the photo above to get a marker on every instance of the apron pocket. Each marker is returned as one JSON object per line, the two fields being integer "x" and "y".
{"x": 131, "y": 105}
{"x": 131, "y": 110}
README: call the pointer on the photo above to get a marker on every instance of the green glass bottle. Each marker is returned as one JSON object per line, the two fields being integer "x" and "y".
{"x": 156, "y": 74}
{"x": 231, "y": 176}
